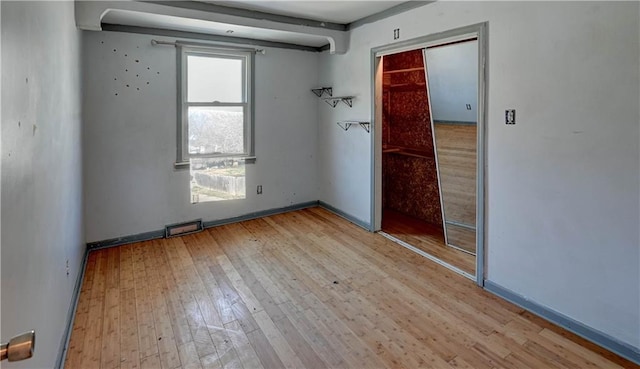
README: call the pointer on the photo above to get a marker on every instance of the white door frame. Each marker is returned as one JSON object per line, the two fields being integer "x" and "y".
{"x": 477, "y": 30}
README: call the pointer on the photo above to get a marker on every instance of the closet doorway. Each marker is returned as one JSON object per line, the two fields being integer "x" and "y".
{"x": 428, "y": 148}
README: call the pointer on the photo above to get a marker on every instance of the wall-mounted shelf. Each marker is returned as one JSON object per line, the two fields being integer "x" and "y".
{"x": 347, "y": 124}
{"x": 406, "y": 70}
{"x": 407, "y": 87}
{"x": 333, "y": 101}
{"x": 406, "y": 151}
{"x": 319, "y": 91}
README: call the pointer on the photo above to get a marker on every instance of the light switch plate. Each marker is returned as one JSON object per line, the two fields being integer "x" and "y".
{"x": 510, "y": 116}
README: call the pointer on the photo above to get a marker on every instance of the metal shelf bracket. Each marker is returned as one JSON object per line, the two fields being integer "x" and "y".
{"x": 322, "y": 90}
{"x": 333, "y": 101}
{"x": 347, "y": 124}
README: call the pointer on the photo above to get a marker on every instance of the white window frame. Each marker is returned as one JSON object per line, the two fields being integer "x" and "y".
{"x": 247, "y": 58}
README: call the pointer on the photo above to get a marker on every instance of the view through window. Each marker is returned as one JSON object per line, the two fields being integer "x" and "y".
{"x": 215, "y": 179}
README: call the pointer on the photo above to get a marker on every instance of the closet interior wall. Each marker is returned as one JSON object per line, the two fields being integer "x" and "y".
{"x": 409, "y": 175}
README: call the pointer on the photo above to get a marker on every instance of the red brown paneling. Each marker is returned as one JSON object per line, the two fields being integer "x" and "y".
{"x": 410, "y": 183}
{"x": 410, "y": 186}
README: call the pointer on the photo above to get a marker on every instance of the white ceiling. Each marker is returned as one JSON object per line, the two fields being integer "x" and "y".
{"x": 327, "y": 11}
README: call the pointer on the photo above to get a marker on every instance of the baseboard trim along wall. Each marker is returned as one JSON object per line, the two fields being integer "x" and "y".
{"x": 602, "y": 339}
{"x": 152, "y": 235}
{"x": 261, "y": 214}
{"x": 146, "y": 236}
{"x": 346, "y": 216}
{"x": 64, "y": 345}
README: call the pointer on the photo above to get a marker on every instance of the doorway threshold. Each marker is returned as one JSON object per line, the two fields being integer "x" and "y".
{"x": 427, "y": 255}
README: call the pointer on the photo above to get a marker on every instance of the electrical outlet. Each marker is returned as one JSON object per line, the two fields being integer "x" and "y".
{"x": 396, "y": 33}
{"x": 510, "y": 116}
{"x": 468, "y": 106}
{"x": 259, "y": 190}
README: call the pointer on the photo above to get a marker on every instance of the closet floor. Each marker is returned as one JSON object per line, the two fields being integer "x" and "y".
{"x": 427, "y": 238}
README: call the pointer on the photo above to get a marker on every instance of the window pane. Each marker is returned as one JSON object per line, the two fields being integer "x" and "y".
{"x": 214, "y": 79}
{"x": 215, "y": 130}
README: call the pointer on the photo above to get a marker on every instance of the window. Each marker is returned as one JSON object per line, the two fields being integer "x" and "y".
{"x": 216, "y": 106}
{"x": 215, "y": 133}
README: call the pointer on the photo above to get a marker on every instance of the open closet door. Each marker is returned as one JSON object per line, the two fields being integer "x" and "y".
{"x": 435, "y": 151}
{"x": 451, "y": 75}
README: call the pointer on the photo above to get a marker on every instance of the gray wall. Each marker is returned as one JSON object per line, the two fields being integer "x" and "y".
{"x": 453, "y": 81}
{"x": 563, "y": 192}
{"x": 41, "y": 172}
{"x": 130, "y": 139}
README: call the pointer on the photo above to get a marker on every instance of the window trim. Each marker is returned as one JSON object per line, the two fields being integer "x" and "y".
{"x": 248, "y": 58}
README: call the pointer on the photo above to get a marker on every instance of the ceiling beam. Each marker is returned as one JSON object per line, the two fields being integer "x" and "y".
{"x": 254, "y": 14}
{"x": 206, "y": 37}
{"x": 89, "y": 16}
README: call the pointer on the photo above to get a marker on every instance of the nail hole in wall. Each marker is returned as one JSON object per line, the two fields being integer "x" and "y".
{"x": 114, "y": 50}
{"x": 127, "y": 85}
{"x": 137, "y": 61}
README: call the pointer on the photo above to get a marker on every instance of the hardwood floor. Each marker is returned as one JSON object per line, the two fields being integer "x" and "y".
{"x": 427, "y": 238}
{"x": 302, "y": 289}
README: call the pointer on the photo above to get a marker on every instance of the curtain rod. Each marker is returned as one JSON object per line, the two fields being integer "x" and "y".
{"x": 155, "y": 42}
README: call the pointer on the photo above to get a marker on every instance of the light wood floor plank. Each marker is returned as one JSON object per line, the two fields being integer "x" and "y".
{"x": 318, "y": 341}
{"x": 304, "y": 289}
{"x": 167, "y": 347}
{"x": 177, "y": 314}
{"x": 130, "y": 355}
{"x": 189, "y": 356}
{"x": 74, "y": 354}
{"x": 211, "y": 362}
{"x": 110, "y": 356}
{"x": 246, "y": 353}
{"x": 147, "y": 342}
{"x": 150, "y": 362}
{"x": 92, "y": 348}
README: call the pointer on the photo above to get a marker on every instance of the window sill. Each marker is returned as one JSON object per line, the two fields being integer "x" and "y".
{"x": 186, "y": 165}
{"x": 181, "y": 165}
